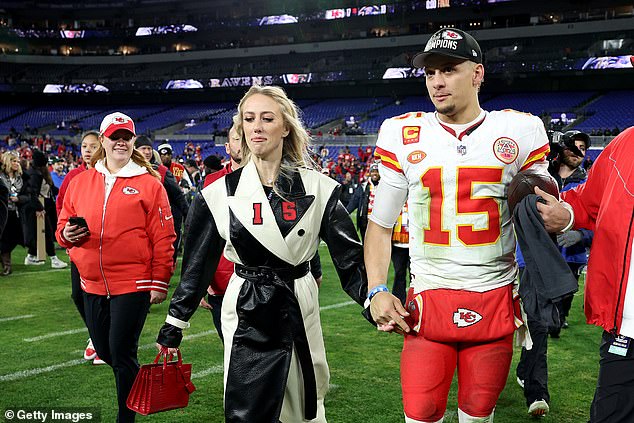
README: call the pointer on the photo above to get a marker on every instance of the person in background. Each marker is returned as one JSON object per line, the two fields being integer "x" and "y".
{"x": 4, "y": 205}
{"x": 224, "y": 270}
{"x": 268, "y": 217}
{"x": 193, "y": 172}
{"x": 363, "y": 199}
{"x": 177, "y": 199}
{"x": 41, "y": 187}
{"x": 211, "y": 165}
{"x": 89, "y": 145}
{"x": 574, "y": 243}
{"x": 124, "y": 252}
{"x": 59, "y": 171}
{"x": 11, "y": 175}
{"x": 347, "y": 188}
{"x": 178, "y": 170}
{"x": 605, "y": 205}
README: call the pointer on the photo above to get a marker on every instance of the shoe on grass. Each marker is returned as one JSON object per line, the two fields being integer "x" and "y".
{"x": 538, "y": 408}
{"x": 89, "y": 352}
{"x": 30, "y": 260}
{"x": 57, "y": 263}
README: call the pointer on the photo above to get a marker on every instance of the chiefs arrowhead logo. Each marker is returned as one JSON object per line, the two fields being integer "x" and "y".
{"x": 465, "y": 317}
{"x": 130, "y": 191}
{"x": 416, "y": 156}
{"x": 120, "y": 120}
{"x": 451, "y": 35}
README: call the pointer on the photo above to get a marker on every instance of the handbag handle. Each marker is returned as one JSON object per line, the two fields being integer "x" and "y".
{"x": 165, "y": 359}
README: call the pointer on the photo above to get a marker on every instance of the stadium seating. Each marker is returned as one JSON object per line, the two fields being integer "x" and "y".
{"x": 614, "y": 109}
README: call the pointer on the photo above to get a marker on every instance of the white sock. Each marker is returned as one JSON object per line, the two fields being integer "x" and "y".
{"x": 410, "y": 420}
{"x": 465, "y": 418}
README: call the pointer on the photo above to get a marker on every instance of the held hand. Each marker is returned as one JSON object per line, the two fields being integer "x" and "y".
{"x": 204, "y": 304}
{"x": 163, "y": 350}
{"x": 554, "y": 215}
{"x": 388, "y": 313}
{"x": 570, "y": 238}
{"x": 157, "y": 297}
{"x": 75, "y": 233}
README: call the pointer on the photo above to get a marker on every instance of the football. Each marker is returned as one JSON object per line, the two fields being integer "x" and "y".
{"x": 524, "y": 183}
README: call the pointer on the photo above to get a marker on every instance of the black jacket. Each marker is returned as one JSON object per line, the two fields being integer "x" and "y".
{"x": 359, "y": 202}
{"x": 547, "y": 277}
{"x": 4, "y": 205}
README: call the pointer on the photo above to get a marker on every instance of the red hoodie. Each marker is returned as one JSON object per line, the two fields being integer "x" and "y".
{"x": 130, "y": 246}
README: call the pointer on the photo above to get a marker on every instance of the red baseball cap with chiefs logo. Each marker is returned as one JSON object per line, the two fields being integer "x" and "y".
{"x": 115, "y": 121}
{"x": 450, "y": 42}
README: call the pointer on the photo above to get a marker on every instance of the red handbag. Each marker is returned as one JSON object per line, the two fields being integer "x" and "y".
{"x": 161, "y": 386}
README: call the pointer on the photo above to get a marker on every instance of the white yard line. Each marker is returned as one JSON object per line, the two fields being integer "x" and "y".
{"x": 34, "y": 372}
{"x": 55, "y": 334}
{"x": 338, "y": 305}
{"x": 210, "y": 371}
{"x": 8, "y": 319}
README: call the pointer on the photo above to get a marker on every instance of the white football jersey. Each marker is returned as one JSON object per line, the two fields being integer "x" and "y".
{"x": 461, "y": 234}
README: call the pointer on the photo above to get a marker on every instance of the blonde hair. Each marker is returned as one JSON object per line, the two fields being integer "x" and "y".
{"x": 137, "y": 158}
{"x": 6, "y": 162}
{"x": 295, "y": 152}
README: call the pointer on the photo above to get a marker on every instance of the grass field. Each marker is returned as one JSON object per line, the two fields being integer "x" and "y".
{"x": 41, "y": 365}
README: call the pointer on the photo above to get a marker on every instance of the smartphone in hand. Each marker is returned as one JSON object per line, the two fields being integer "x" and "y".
{"x": 78, "y": 221}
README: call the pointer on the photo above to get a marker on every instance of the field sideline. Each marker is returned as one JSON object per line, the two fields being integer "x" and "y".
{"x": 43, "y": 339}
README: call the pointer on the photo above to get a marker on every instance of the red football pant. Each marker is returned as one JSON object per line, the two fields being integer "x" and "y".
{"x": 427, "y": 368}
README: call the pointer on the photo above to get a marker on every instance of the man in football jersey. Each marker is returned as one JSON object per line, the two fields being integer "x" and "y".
{"x": 178, "y": 170}
{"x": 453, "y": 167}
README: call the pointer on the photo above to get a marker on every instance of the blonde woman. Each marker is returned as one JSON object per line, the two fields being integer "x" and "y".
{"x": 268, "y": 217}
{"x": 117, "y": 226}
{"x": 13, "y": 235}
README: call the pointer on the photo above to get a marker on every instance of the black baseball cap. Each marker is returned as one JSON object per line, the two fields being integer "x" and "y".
{"x": 450, "y": 42}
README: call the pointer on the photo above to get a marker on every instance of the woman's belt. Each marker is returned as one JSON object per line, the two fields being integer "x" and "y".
{"x": 284, "y": 273}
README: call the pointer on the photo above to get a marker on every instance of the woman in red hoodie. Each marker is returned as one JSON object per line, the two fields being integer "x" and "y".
{"x": 123, "y": 251}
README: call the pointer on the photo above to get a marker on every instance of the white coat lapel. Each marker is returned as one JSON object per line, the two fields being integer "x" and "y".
{"x": 248, "y": 194}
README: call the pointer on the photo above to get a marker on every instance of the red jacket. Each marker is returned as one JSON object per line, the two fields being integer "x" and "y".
{"x": 605, "y": 204}
{"x": 218, "y": 285}
{"x": 130, "y": 246}
{"x": 62, "y": 190}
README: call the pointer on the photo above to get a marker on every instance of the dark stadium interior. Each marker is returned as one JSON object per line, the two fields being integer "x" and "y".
{"x": 546, "y": 58}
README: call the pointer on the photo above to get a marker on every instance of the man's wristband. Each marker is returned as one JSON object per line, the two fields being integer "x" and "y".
{"x": 373, "y": 292}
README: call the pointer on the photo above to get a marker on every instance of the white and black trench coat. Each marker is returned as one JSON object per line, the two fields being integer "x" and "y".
{"x": 275, "y": 363}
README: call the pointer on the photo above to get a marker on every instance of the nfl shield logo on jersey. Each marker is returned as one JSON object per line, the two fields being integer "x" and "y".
{"x": 462, "y": 149}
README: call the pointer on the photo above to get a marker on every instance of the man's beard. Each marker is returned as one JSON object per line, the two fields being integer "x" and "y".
{"x": 447, "y": 109}
{"x": 236, "y": 158}
{"x": 571, "y": 162}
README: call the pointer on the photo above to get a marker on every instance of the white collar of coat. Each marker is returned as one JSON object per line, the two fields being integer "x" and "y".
{"x": 129, "y": 170}
{"x": 250, "y": 191}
